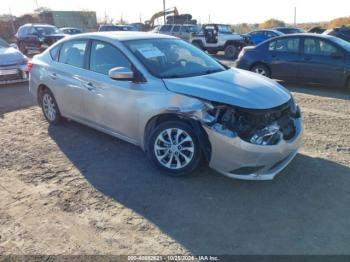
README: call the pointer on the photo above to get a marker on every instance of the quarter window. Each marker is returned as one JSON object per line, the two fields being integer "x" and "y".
{"x": 314, "y": 46}
{"x": 54, "y": 52}
{"x": 290, "y": 45}
{"x": 73, "y": 53}
{"x": 104, "y": 57}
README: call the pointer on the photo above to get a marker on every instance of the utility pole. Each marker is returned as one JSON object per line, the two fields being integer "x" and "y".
{"x": 12, "y": 23}
{"x": 164, "y": 11}
{"x": 295, "y": 16}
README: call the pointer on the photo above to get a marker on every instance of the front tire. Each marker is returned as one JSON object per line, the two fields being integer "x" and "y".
{"x": 174, "y": 148}
{"x": 50, "y": 108}
{"x": 261, "y": 70}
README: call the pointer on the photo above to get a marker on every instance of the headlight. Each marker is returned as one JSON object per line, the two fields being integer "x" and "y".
{"x": 41, "y": 39}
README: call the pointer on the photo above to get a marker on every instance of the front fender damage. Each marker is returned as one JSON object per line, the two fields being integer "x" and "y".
{"x": 246, "y": 143}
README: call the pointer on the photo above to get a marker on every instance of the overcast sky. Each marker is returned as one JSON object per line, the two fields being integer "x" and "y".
{"x": 220, "y": 11}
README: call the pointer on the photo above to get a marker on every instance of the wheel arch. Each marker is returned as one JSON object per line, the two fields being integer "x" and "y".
{"x": 41, "y": 88}
{"x": 260, "y": 63}
{"x": 203, "y": 138}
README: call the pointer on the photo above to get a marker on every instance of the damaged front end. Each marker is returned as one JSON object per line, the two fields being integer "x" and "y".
{"x": 252, "y": 143}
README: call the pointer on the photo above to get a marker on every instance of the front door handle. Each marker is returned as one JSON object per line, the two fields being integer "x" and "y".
{"x": 307, "y": 58}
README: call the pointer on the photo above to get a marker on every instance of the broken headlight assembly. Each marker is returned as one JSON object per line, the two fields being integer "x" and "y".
{"x": 256, "y": 126}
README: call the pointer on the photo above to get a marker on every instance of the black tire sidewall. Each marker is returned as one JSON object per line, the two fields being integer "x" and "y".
{"x": 234, "y": 54}
{"x": 58, "y": 117}
{"x": 267, "y": 70}
{"x": 192, "y": 166}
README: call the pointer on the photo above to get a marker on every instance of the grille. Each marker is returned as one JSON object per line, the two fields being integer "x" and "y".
{"x": 10, "y": 77}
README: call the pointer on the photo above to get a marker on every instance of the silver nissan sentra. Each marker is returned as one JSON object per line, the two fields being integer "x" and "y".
{"x": 173, "y": 100}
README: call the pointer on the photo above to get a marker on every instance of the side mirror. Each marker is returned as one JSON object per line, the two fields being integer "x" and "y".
{"x": 121, "y": 73}
{"x": 14, "y": 45}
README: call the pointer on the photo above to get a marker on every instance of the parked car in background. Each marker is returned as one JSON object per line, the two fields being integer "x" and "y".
{"x": 173, "y": 100}
{"x": 289, "y": 30}
{"x": 37, "y": 37}
{"x": 219, "y": 37}
{"x": 259, "y": 36}
{"x": 316, "y": 30}
{"x": 71, "y": 30}
{"x": 110, "y": 28}
{"x": 13, "y": 64}
{"x": 341, "y": 32}
{"x": 310, "y": 58}
{"x": 182, "y": 31}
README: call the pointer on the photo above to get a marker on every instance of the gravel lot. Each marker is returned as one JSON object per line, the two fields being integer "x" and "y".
{"x": 72, "y": 190}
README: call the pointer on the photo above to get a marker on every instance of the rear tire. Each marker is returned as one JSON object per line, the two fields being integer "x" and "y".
{"x": 231, "y": 51}
{"x": 261, "y": 70}
{"x": 174, "y": 148}
{"x": 50, "y": 108}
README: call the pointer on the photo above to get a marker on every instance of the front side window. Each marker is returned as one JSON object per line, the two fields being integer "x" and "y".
{"x": 105, "y": 56}
{"x": 289, "y": 45}
{"x": 73, "y": 53}
{"x": 173, "y": 58}
{"x": 313, "y": 46}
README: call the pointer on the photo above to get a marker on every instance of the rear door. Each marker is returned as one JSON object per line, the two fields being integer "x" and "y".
{"x": 284, "y": 56}
{"x": 66, "y": 77}
{"x": 323, "y": 62}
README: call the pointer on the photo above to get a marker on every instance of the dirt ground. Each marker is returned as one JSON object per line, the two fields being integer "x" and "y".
{"x": 71, "y": 190}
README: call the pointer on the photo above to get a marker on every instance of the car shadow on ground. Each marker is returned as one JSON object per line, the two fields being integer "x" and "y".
{"x": 305, "y": 210}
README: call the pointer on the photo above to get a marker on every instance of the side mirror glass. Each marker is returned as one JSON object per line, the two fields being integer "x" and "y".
{"x": 121, "y": 73}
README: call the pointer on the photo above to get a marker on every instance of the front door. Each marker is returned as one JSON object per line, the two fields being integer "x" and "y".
{"x": 284, "y": 56}
{"x": 110, "y": 104}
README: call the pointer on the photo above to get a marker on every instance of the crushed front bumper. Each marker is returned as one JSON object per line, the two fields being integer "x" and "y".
{"x": 237, "y": 158}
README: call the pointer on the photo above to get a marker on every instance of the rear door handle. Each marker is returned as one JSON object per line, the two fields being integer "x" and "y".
{"x": 90, "y": 86}
{"x": 307, "y": 58}
{"x": 54, "y": 76}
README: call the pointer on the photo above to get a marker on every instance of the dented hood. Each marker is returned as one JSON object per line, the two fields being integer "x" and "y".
{"x": 234, "y": 87}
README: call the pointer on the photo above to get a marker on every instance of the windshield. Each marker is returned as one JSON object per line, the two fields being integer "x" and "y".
{"x": 225, "y": 29}
{"x": 47, "y": 30}
{"x": 173, "y": 58}
{"x": 3, "y": 44}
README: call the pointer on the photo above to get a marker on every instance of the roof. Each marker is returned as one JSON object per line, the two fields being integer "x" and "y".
{"x": 124, "y": 35}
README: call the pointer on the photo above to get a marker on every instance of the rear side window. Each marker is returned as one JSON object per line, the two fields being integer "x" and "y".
{"x": 165, "y": 28}
{"x": 105, "y": 56}
{"x": 289, "y": 45}
{"x": 314, "y": 46}
{"x": 54, "y": 52}
{"x": 73, "y": 53}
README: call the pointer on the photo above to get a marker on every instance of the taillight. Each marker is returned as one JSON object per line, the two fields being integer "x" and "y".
{"x": 29, "y": 67}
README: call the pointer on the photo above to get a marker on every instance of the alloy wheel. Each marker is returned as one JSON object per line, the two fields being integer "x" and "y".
{"x": 49, "y": 107}
{"x": 174, "y": 148}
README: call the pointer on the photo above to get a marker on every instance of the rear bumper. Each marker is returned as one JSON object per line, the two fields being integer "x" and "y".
{"x": 237, "y": 158}
{"x": 13, "y": 74}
